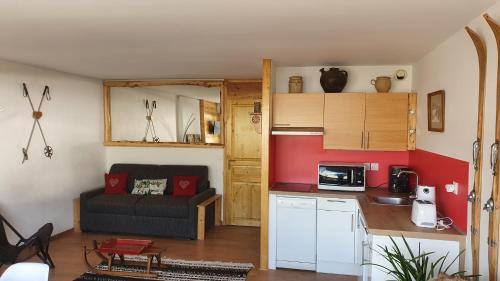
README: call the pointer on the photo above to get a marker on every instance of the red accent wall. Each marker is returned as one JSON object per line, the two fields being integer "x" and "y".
{"x": 296, "y": 159}
{"x": 438, "y": 170}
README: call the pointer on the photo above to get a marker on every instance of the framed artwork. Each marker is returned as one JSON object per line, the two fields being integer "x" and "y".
{"x": 435, "y": 111}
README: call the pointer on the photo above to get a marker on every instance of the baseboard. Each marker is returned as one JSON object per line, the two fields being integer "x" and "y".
{"x": 61, "y": 234}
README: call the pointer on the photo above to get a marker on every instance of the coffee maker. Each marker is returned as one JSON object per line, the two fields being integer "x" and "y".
{"x": 399, "y": 184}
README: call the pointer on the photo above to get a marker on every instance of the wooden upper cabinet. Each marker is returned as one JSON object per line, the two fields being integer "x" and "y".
{"x": 298, "y": 110}
{"x": 386, "y": 122}
{"x": 344, "y": 121}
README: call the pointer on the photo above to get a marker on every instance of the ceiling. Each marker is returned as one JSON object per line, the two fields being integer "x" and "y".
{"x": 132, "y": 39}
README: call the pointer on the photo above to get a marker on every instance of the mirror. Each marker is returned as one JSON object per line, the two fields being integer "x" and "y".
{"x": 163, "y": 114}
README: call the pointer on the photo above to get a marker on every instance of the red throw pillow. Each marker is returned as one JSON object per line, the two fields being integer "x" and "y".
{"x": 115, "y": 183}
{"x": 185, "y": 185}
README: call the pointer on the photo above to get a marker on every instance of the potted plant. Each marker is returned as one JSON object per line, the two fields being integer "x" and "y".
{"x": 417, "y": 266}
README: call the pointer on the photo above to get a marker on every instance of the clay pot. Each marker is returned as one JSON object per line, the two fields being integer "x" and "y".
{"x": 382, "y": 84}
{"x": 295, "y": 84}
{"x": 333, "y": 80}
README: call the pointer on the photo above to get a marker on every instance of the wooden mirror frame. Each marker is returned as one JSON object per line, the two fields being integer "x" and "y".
{"x": 108, "y": 84}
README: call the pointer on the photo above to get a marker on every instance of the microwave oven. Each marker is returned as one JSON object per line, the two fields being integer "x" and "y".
{"x": 341, "y": 176}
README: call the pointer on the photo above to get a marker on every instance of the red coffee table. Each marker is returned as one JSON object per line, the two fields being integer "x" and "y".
{"x": 109, "y": 249}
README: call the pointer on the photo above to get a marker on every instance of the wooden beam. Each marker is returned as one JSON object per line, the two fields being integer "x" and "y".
{"x": 264, "y": 192}
{"x": 412, "y": 121}
{"x": 107, "y": 114}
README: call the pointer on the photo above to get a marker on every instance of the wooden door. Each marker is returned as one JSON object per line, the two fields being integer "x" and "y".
{"x": 298, "y": 110}
{"x": 242, "y": 154}
{"x": 386, "y": 125}
{"x": 344, "y": 121}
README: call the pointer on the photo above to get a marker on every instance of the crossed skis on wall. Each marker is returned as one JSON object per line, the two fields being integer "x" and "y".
{"x": 492, "y": 204}
{"x": 37, "y": 114}
{"x": 150, "y": 125}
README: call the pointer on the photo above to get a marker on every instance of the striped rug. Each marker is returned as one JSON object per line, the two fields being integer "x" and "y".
{"x": 177, "y": 270}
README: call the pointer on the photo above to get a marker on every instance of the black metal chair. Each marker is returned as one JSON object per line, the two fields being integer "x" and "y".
{"x": 37, "y": 244}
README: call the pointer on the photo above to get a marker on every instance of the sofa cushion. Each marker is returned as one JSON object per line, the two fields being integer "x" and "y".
{"x": 115, "y": 183}
{"x": 146, "y": 171}
{"x": 120, "y": 204}
{"x": 186, "y": 170}
{"x": 149, "y": 186}
{"x": 185, "y": 186}
{"x": 163, "y": 206}
{"x": 138, "y": 172}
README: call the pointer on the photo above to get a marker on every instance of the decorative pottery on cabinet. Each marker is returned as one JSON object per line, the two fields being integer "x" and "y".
{"x": 382, "y": 84}
{"x": 333, "y": 80}
{"x": 295, "y": 85}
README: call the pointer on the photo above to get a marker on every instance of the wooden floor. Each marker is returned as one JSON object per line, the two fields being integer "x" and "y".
{"x": 224, "y": 243}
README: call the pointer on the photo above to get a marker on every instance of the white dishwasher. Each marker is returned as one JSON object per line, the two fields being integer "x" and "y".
{"x": 296, "y": 232}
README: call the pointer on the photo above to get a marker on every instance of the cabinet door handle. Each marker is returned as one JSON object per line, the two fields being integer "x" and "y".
{"x": 362, "y": 139}
{"x": 282, "y": 124}
{"x": 363, "y": 258}
{"x": 336, "y": 201}
{"x": 352, "y": 223}
{"x": 368, "y": 140}
{"x": 358, "y": 220}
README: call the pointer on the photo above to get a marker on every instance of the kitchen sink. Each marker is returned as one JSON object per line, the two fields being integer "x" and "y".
{"x": 385, "y": 200}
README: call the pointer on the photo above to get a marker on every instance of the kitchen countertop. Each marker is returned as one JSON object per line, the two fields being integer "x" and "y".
{"x": 380, "y": 219}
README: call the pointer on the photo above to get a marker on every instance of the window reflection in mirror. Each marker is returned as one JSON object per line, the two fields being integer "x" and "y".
{"x": 168, "y": 113}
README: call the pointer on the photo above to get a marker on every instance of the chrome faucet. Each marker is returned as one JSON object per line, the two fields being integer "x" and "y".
{"x": 412, "y": 195}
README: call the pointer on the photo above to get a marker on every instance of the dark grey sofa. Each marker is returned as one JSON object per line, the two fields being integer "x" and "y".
{"x": 154, "y": 215}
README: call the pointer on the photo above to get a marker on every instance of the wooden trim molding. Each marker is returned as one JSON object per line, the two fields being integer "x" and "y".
{"x": 163, "y": 144}
{"x": 163, "y": 82}
{"x": 107, "y": 113}
{"x": 264, "y": 192}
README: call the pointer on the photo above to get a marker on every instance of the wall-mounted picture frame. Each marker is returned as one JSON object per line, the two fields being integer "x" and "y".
{"x": 435, "y": 111}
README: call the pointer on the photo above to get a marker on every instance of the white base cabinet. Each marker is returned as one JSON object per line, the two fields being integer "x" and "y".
{"x": 336, "y": 232}
{"x": 332, "y": 237}
{"x": 438, "y": 247}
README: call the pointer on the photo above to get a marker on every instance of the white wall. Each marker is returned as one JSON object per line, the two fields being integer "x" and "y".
{"x": 128, "y": 115}
{"x": 188, "y": 109}
{"x": 453, "y": 66}
{"x": 211, "y": 157}
{"x": 41, "y": 190}
{"x": 359, "y": 77}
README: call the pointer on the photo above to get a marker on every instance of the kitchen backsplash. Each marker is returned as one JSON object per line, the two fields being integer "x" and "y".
{"x": 438, "y": 170}
{"x": 295, "y": 159}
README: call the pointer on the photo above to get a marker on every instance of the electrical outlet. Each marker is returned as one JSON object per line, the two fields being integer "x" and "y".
{"x": 367, "y": 166}
{"x": 374, "y": 166}
{"x": 452, "y": 187}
